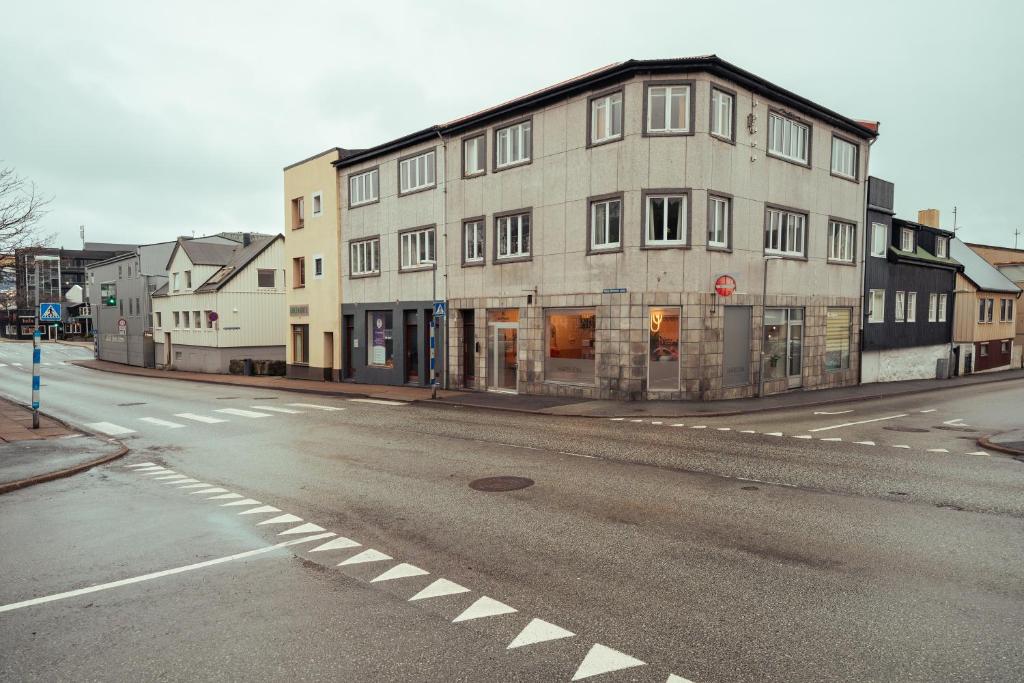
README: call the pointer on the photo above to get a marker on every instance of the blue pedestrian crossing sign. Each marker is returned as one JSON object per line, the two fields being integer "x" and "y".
{"x": 49, "y": 313}
{"x": 439, "y": 309}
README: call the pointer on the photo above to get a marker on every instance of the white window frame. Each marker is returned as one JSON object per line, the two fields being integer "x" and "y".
{"x": 879, "y": 239}
{"x": 842, "y": 241}
{"x": 901, "y": 306}
{"x": 911, "y": 316}
{"x": 876, "y": 313}
{"x": 684, "y": 219}
{"x": 933, "y": 307}
{"x": 318, "y": 203}
{"x": 417, "y": 248}
{"x": 789, "y": 139}
{"x": 943, "y": 304}
{"x": 472, "y": 144}
{"x": 603, "y": 109}
{"x": 668, "y": 90}
{"x": 474, "y": 241}
{"x": 418, "y": 172}
{"x": 723, "y": 108}
{"x": 714, "y": 228}
{"x": 364, "y": 188}
{"x": 507, "y": 224}
{"x": 604, "y": 228}
{"x": 364, "y": 257}
{"x": 844, "y": 158}
{"x": 944, "y": 251}
{"x": 906, "y": 236}
{"x": 788, "y": 223}
{"x": 513, "y": 144}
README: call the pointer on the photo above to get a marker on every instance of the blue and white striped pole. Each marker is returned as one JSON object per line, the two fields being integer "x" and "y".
{"x": 36, "y": 353}
{"x": 433, "y": 358}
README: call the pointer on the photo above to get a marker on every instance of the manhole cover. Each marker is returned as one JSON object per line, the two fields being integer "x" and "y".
{"x": 898, "y": 428}
{"x": 506, "y": 483}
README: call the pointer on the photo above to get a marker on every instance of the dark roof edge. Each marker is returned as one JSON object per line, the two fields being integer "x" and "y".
{"x": 941, "y": 231}
{"x": 956, "y": 266}
{"x": 711, "y": 64}
{"x": 995, "y": 246}
{"x": 113, "y": 259}
{"x": 881, "y": 209}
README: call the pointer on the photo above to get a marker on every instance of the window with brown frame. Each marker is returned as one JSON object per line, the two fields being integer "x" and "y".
{"x": 298, "y": 272}
{"x": 298, "y": 213}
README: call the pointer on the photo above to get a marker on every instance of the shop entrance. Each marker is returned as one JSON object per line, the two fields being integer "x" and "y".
{"x": 783, "y": 345}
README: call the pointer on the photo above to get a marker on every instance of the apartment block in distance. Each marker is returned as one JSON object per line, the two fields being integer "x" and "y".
{"x": 909, "y": 283}
{"x": 312, "y": 255}
{"x": 577, "y": 235}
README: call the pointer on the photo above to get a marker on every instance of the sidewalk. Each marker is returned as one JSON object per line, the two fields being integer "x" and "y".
{"x": 1011, "y": 442}
{"x": 549, "y": 405}
{"x": 31, "y": 456}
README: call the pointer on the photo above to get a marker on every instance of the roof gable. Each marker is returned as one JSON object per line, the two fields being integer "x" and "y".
{"x": 980, "y": 272}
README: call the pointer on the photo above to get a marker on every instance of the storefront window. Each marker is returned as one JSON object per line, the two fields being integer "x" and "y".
{"x": 380, "y": 345}
{"x": 570, "y": 356}
{"x": 837, "y": 339}
{"x": 663, "y": 368}
{"x": 774, "y": 343}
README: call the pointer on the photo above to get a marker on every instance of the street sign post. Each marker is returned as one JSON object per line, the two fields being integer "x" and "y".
{"x": 49, "y": 313}
{"x": 36, "y": 353}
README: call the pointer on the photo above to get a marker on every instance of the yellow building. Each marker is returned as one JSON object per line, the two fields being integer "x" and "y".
{"x": 312, "y": 238}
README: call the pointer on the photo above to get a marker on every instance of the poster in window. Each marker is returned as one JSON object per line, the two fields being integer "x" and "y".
{"x": 380, "y": 339}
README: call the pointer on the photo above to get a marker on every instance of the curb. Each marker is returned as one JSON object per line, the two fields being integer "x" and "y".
{"x": 984, "y": 442}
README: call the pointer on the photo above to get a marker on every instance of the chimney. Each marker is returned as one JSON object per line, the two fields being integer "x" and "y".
{"x": 929, "y": 217}
{"x": 246, "y": 239}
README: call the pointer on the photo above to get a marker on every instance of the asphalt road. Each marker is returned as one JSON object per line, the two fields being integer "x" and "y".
{"x": 729, "y": 549}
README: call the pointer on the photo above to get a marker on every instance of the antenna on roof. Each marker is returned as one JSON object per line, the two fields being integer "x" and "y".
{"x": 954, "y": 221}
{"x": 1016, "y": 234}
{"x": 81, "y": 233}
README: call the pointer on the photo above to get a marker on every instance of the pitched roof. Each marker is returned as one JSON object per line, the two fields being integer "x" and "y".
{"x": 980, "y": 272}
{"x": 608, "y": 75}
{"x": 206, "y": 253}
{"x": 240, "y": 257}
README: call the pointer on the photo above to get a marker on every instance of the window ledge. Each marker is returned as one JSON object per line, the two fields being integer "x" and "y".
{"x": 841, "y": 176}
{"x": 657, "y": 246}
{"x": 416, "y": 269}
{"x": 597, "y": 251}
{"x": 517, "y": 164}
{"x": 836, "y": 262}
{"x": 417, "y": 190}
{"x": 599, "y": 143}
{"x": 722, "y": 138}
{"x": 718, "y": 247}
{"x": 795, "y": 162}
{"x": 362, "y": 204}
{"x": 666, "y": 133}
{"x": 474, "y": 264}
{"x": 512, "y": 259}
{"x": 357, "y": 276}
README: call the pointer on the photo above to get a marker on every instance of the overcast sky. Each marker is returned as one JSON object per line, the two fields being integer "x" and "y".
{"x": 152, "y": 120}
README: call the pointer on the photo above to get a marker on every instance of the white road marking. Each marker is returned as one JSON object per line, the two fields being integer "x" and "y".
{"x": 245, "y": 501}
{"x": 484, "y": 607}
{"x": 930, "y": 410}
{"x": 539, "y": 631}
{"x": 109, "y": 428}
{"x": 200, "y": 418}
{"x": 958, "y": 422}
{"x": 614, "y": 419}
{"x": 278, "y": 409}
{"x": 45, "y": 363}
{"x": 833, "y": 438}
{"x": 834, "y": 412}
{"x": 183, "y": 481}
{"x": 148, "y": 473}
{"x": 678, "y": 424}
{"x": 803, "y": 436}
{"x": 724, "y": 429}
{"x": 141, "y": 464}
{"x": 698, "y": 426}
{"x": 281, "y": 519}
{"x": 860, "y": 422}
{"x": 865, "y": 443}
{"x": 233, "y": 496}
{"x": 400, "y": 571}
{"x": 773, "y": 433}
{"x": 978, "y": 453}
{"x": 241, "y": 413}
{"x": 656, "y": 423}
{"x": 161, "y": 423}
{"x": 153, "y": 575}
{"x": 370, "y": 555}
{"x": 177, "y": 477}
{"x": 438, "y": 589}
{"x": 215, "y": 489}
{"x": 672, "y": 678}
{"x": 151, "y": 468}
{"x": 899, "y": 445}
{"x": 636, "y": 420}
{"x": 314, "y": 406}
{"x": 17, "y": 365}
{"x": 378, "y": 401}
{"x": 937, "y": 450}
{"x": 260, "y": 510}
{"x": 747, "y": 431}
{"x": 602, "y": 659}
{"x": 3, "y": 365}
{"x": 307, "y": 528}
{"x": 340, "y": 542}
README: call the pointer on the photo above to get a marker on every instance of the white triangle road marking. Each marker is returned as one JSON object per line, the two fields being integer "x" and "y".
{"x": 539, "y": 631}
{"x": 672, "y": 678}
{"x": 260, "y": 510}
{"x": 161, "y": 423}
{"x": 307, "y": 528}
{"x": 484, "y": 607}
{"x": 281, "y": 519}
{"x": 109, "y": 428}
{"x": 141, "y": 464}
{"x": 240, "y": 413}
{"x": 215, "y": 489}
{"x": 978, "y": 453}
{"x": 278, "y": 409}
{"x": 200, "y": 418}
{"x": 246, "y": 501}
{"x": 602, "y": 659}
{"x": 439, "y": 588}
{"x": 335, "y": 544}
{"x": 370, "y": 555}
{"x": 228, "y": 496}
{"x": 314, "y": 406}
{"x": 400, "y": 571}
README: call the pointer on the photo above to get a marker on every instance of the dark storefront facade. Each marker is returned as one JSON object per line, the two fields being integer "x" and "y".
{"x": 389, "y": 343}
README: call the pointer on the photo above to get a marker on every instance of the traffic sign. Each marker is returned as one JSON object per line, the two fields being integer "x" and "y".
{"x": 725, "y": 285}
{"x": 49, "y": 313}
{"x": 439, "y": 309}
{"x": 122, "y": 326}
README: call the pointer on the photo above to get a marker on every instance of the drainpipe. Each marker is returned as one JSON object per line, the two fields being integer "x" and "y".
{"x": 444, "y": 248}
{"x": 864, "y": 265}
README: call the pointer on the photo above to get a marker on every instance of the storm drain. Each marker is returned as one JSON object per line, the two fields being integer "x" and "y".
{"x": 497, "y": 484}
{"x": 898, "y": 428}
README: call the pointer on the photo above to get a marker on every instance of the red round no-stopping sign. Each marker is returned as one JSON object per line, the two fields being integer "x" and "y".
{"x": 725, "y": 285}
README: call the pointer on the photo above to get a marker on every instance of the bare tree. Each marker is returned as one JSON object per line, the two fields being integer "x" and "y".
{"x": 22, "y": 207}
